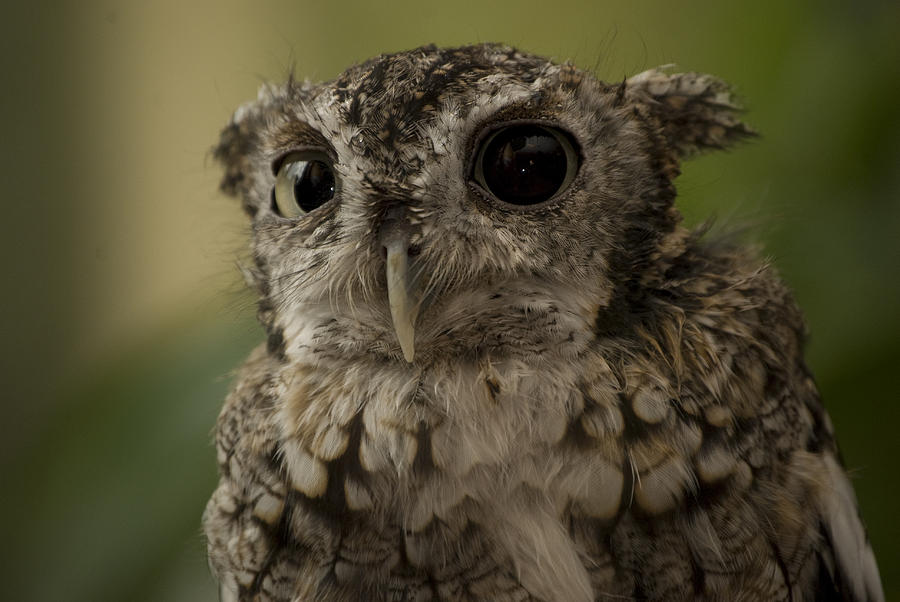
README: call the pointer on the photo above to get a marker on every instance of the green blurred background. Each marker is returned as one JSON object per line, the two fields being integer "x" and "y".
{"x": 124, "y": 312}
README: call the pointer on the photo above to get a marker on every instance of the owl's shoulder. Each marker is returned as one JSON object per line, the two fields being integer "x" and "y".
{"x": 722, "y": 282}
{"x": 247, "y": 422}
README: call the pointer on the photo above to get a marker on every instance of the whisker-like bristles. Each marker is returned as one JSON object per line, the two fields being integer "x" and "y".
{"x": 283, "y": 277}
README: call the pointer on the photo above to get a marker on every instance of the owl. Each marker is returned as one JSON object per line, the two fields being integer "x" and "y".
{"x": 498, "y": 368}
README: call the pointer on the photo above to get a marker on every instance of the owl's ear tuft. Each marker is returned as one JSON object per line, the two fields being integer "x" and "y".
{"x": 234, "y": 152}
{"x": 696, "y": 112}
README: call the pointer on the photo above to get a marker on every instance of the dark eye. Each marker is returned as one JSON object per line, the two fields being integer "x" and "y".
{"x": 303, "y": 183}
{"x": 525, "y": 164}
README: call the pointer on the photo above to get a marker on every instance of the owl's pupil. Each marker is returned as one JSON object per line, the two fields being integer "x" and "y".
{"x": 314, "y": 186}
{"x": 524, "y": 165}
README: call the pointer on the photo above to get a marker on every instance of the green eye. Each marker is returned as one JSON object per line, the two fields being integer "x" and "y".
{"x": 304, "y": 183}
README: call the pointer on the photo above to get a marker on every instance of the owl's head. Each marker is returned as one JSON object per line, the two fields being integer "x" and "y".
{"x": 472, "y": 201}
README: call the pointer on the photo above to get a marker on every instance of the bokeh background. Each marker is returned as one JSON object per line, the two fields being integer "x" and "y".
{"x": 123, "y": 311}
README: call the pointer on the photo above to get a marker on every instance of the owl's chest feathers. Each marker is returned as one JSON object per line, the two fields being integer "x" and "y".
{"x": 426, "y": 455}
{"x": 424, "y": 436}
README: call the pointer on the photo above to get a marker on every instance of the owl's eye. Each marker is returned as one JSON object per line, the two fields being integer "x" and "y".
{"x": 304, "y": 182}
{"x": 526, "y": 164}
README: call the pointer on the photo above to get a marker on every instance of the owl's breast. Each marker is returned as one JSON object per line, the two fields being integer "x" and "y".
{"x": 452, "y": 465}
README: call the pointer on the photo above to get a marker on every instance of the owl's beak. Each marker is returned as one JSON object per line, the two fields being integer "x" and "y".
{"x": 403, "y": 313}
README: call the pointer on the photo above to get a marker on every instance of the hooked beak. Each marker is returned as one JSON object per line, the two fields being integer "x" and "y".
{"x": 403, "y": 313}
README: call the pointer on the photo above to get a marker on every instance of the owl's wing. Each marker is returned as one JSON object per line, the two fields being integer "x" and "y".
{"x": 848, "y": 570}
{"x": 245, "y": 516}
{"x": 731, "y": 473}
{"x": 226, "y": 594}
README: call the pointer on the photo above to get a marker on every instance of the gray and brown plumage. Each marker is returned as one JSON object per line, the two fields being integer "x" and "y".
{"x": 475, "y": 391}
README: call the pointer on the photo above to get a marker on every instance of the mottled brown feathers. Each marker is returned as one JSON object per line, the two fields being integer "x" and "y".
{"x": 599, "y": 405}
